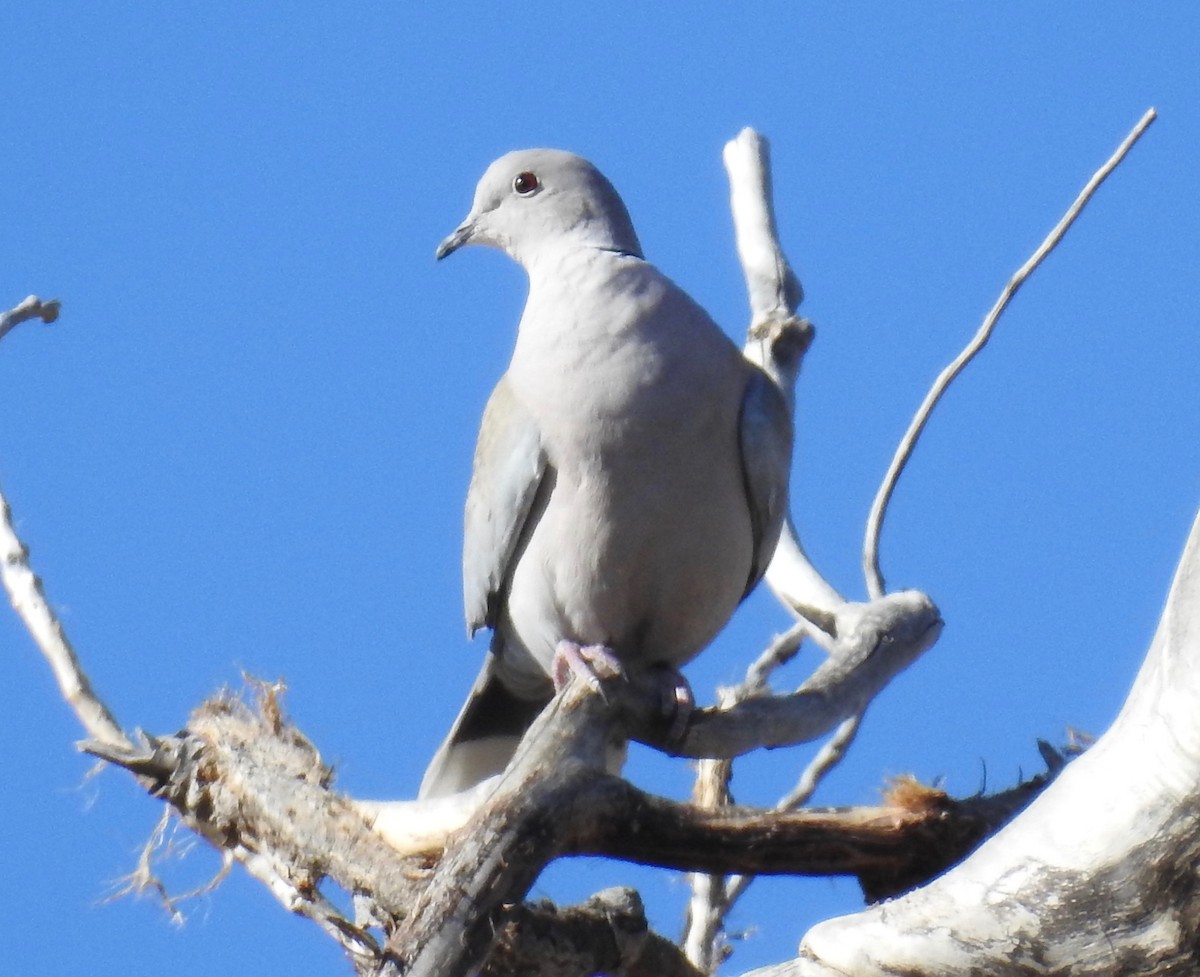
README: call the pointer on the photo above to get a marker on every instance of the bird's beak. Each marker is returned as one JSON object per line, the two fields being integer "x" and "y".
{"x": 462, "y": 235}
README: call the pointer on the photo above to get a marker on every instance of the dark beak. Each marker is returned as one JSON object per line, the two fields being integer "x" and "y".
{"x": 461, "y": 236}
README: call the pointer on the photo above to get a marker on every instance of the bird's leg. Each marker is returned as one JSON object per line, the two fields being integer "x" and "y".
{"x": 591, "y": 663}
{"x": 677, "y": 701}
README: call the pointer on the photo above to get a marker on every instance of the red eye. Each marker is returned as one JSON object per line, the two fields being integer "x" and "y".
{"x": 525, "y": 183}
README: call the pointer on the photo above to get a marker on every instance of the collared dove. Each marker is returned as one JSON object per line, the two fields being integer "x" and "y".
{"x": 631, "y": 471}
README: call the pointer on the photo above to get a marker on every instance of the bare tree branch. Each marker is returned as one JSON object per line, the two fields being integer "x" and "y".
{"x": 875, "y": 583}
{"x": 252, "y": 785}
{"x": 776, "y": 341}
{"x": 828, "y": 757}
{"x": 256, "y": 788}
{"x": 28, "y": 597}
{"x": 709, "y": 905}
{"x": 29, "y": 601}
{"x": 890, "y": 848}
{"x": 886, "y": 637}
{"x": 32, "y": 308}
{"x": 772, "y": 286}
{"x": 1097, "y": 877}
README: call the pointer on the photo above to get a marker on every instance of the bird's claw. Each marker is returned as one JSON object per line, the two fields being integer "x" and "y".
{"x": 592, "y": 664}
{"x": 589, "y": 663}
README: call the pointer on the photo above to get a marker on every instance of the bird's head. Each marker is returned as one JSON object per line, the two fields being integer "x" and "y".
{"x": 534, "y": 199}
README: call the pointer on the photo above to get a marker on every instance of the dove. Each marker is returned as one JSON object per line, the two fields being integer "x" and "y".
{"x": 631, "y": 471}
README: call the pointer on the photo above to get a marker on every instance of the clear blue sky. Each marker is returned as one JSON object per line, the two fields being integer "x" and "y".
{"x": 246, "y": 443}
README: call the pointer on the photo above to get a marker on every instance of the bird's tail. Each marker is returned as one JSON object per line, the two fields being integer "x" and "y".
{"x": 484, "y": 736}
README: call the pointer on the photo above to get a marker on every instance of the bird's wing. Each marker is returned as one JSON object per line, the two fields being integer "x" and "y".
{"x": 509, "y": 468}
{"x": 765, "y": 440}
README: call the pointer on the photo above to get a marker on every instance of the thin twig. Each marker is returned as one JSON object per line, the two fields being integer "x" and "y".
{"x": 874, "y": 579}
{"x": 709, "y": 903}
{"x": 828, "y": 757}
{"x": 714, "y": 896}
{"x": 28, "y": 598}
{"x": 780, "y": 651}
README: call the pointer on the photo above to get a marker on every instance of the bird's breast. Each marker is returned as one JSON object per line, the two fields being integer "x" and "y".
{"x": 645, "y": 542}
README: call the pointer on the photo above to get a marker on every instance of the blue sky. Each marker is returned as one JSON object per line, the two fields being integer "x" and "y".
{"x": 246, "y": 443}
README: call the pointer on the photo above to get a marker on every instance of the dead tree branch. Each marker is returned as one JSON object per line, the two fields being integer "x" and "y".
{"x": 28, "y": 597}
{"x": 251, "y": 784}
{"x": 875, "y": 583}
{"x": 1096, "y": 877}
{"x": 905, "y": 624}
{"x": 254, "y": 787}
{"x": 32, "y": 308}
{"x": 605, "y": 935}
{"x": 883, "y": 639}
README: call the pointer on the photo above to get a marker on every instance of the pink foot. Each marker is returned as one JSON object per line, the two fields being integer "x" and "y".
{"x": 590, "y": 663}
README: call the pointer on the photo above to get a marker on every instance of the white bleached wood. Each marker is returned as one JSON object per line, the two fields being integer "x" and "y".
{"x": 776, "y": 342}
{"x": 773, "y": 288}
{"x": 413, "y": 827}
{"x": 29, "y": 600}
{"x": 31, "y": 308}
{"x": 1095, "y": 878}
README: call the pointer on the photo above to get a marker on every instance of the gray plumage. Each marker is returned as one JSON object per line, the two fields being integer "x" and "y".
{"x": 630, "y": 476}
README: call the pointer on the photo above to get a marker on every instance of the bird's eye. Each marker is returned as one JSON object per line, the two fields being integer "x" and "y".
{"x": 525, "y": 183}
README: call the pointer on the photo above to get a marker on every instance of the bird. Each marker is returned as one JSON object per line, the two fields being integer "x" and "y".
{"x": 630, "y": 476}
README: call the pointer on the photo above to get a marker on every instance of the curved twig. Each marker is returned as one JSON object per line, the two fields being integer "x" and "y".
{"x": 875, "y": 583}
{"x": 29, "y": 601}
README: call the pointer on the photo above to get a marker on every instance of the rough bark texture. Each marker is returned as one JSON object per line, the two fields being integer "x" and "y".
{"x": 605, "y": 935}
{"x": 254, "y": 786}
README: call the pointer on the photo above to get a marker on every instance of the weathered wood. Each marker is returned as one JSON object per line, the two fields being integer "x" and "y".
{"x": 489, "y": 865}
{"x": 607, "y": 934}
{"x": 874, "y": 643}
{"x": 1097, "y": 877}
{"x": 889, "y": 849}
